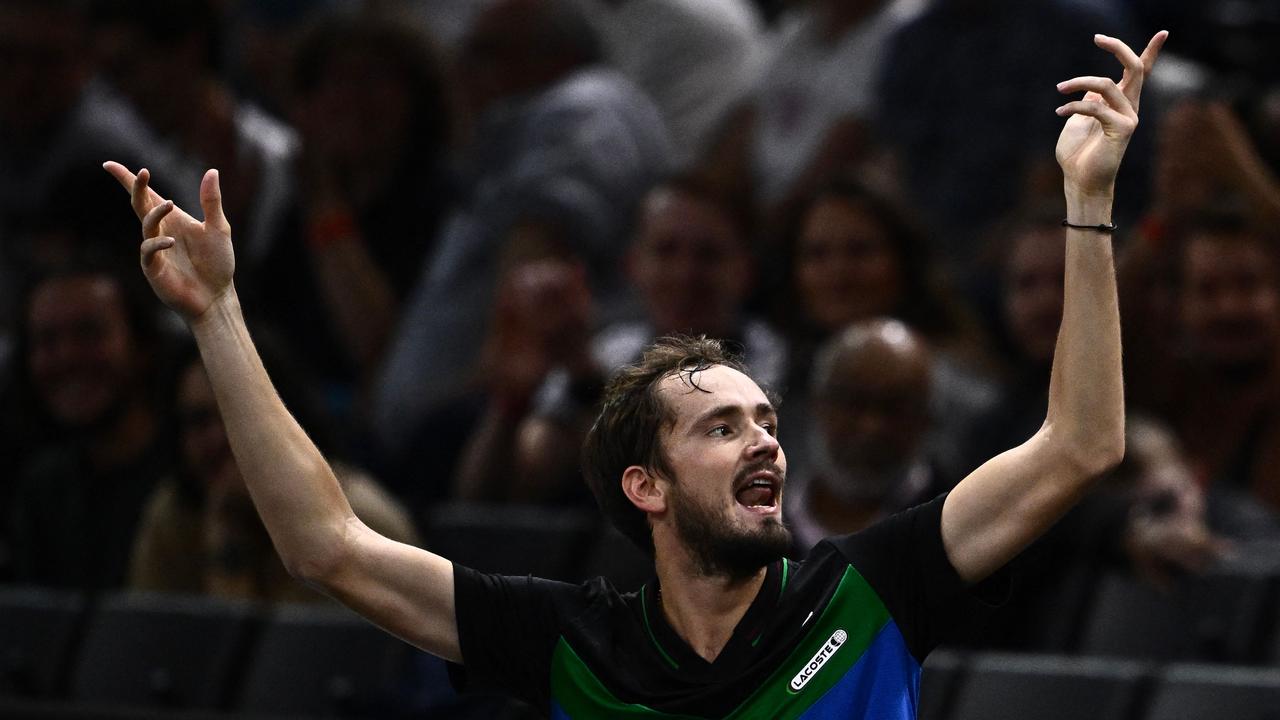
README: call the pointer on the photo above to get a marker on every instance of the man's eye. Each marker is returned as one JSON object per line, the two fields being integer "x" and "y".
{"x": 719, "y": 431}
{"x": 770, "y": 428}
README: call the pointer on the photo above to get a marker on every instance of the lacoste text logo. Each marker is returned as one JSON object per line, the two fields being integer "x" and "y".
{"x": 819, "y": 659}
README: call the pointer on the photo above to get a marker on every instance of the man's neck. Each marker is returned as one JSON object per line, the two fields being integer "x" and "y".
{"x": 703, "y": 609}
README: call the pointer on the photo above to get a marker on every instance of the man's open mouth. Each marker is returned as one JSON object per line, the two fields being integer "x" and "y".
{"x": 759, "y": 491}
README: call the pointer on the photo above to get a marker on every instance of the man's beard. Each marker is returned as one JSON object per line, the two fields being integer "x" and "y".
{"x": 721, "y": 549}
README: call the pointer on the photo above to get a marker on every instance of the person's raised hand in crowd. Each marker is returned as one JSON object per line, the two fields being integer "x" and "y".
{"x": 1204, "y": 150}
{"x": 542, "y": 320}
{"x": 1167, "y": 535}
{"x": 189, "y": 263}
{"x": 1165, "y": 546}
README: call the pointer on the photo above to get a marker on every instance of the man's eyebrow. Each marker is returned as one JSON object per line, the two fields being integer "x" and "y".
{"x": 719, "y": 411}
{"x": 724, "y": 411}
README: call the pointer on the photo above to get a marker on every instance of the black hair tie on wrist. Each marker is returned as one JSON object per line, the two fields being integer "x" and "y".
{"x": 1104, "y": 228}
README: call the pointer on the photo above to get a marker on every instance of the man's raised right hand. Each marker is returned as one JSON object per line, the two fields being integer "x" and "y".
{"x": 188, "y": 263}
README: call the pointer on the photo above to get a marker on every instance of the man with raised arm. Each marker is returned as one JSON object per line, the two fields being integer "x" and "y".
{"x": 684, "y": 457}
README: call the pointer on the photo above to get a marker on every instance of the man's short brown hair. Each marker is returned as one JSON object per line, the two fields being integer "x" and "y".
{"x": 632, "y": 417}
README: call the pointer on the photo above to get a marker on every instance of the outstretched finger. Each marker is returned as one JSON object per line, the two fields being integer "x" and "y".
{"x": 211, "y": 200}
{"x": 151, "y": 221}
{"x": 129, "y": 182}
{"x": 121, "y": 173}
{"x": 1152, "y": 51}
{"x": 1109, "y": 117}
{"x": 151, "y": 246}
{"x": 1104, "y": 87}
{"x": 1149, "y": 55}
{"x": 1134, "y": 70}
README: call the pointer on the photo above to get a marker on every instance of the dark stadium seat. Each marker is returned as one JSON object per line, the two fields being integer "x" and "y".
{"x": 14, "y": 709}
{"x": 1204, "y": 692}
{"x": 1045, "y": 687}
{"x": 37, "y": 627}
{"x": 1213, "y": 618}
{"x": 1272, "y": 654}
{"x": 1263, "y": 556}
{"x": 513, "y": 540}
{"x": 320, "y": 661}
{"x": 156, "y": 650}
{"x": 942, "y": 670}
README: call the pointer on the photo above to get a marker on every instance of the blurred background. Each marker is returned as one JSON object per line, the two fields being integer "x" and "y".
{"x": 455, "y": 218}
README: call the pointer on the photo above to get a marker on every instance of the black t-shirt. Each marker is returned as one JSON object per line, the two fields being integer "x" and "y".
{"x": 842, "y": 634}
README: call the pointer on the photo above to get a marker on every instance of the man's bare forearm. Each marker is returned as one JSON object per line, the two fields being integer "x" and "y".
{"x": 1086, "y": 390}
{"x": 295, "y": 491}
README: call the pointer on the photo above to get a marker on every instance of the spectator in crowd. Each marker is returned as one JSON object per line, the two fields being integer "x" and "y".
{"x": 697, "y": 59}
{"x": 857, "y": 257}
{"x": 199, "y": 532}
{"x": 263, "y": 34}
{"x": 92, "y": 364}
{"x": 1220, "y": 380}
{"x": 690, "y": 262}
{"x": 1206, "y": 161}
{"x": 1206, "y": 155}
{"x": 199, "y": 117}
{"x": 810, "y": 114}
{"x": 57, "y": 123}
{"x": 943, "y": 64}
{"x": 1170, "y": 532}
{"x": 542, "y": 326}
{"x": 373, "y": 108}
{"x": 867, "y": 453}
{"x": 560, "y": 153}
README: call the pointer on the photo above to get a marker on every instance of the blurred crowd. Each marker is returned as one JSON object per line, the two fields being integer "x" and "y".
{"x": 454, "y": 218}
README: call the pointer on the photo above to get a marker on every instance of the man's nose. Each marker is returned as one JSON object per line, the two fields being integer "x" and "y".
{"x": 764, "y": 444}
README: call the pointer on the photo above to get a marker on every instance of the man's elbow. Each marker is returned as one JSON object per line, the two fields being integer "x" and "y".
{"x": 309, "y": 568}
{"x": 1097, "y": 454}
{"x": 317, "y": 563}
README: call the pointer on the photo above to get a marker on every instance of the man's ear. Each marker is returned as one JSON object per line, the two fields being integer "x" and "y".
{"x": 644, "y": 489}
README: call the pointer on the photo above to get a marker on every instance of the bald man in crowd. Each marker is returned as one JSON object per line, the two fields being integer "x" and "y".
{"x": 867, "y": 454}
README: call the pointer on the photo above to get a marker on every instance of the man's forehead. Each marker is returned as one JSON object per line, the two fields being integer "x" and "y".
{"x": 688, "y": 392}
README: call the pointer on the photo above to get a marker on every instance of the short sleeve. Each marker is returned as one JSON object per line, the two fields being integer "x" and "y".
{"x": 507, "y": 630}
{"x": 904, "y": 561}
